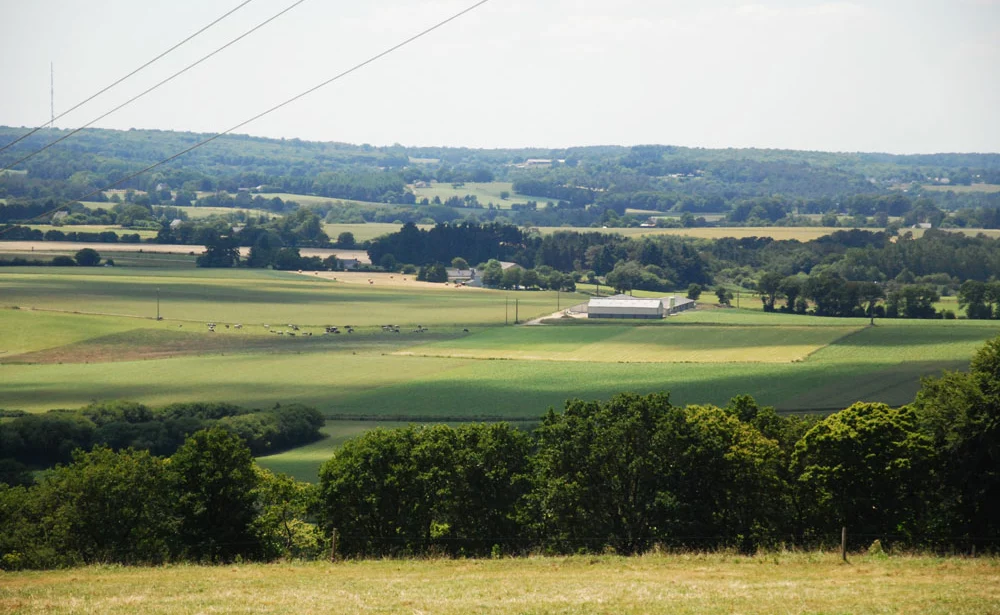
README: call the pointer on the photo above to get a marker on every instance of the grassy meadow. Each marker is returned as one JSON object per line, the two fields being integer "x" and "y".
{"x": 77, "y": 335}
{"x": 94, "y": 228}
{"x": 970, "y": 188}
{"x": 686, "y": 584}
{"x": 485, "y": 193}
{"x": 366, "y": 231}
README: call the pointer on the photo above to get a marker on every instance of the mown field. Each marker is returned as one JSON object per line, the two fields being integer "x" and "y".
{"x": 970, "y": 188}
{"x": 193, "y": 213}
{"x": 364, "y": 232}
{"x": 485, "y": 193}
{"x": 687, "y": 584}
{"x": 93, "y": 228}
{"x": 639, "y": 344}
{"x": 83, "y": 335}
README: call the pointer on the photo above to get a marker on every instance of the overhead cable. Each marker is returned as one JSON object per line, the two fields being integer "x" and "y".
{"x": 147, "y": 64}
{"x": 292, "y": 99}
{"x": 161, "y": 83}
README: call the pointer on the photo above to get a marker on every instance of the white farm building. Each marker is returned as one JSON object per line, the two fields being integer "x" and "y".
{"x": 626, "y": 306}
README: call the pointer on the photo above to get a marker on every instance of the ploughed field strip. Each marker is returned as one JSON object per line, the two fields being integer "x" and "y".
{"x": 642, "y": 344}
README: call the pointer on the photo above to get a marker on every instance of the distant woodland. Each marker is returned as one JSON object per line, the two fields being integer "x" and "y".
{"x": 584, "y": 186}
{"x": 876, "y": 269}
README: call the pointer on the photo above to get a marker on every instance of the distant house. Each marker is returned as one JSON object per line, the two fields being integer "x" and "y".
{"x": 534, "y": 163}
{"x": 421, "y": 184}
{"x": 505, "y": 265}
{"x": 460, "y": 275}
{"x": 59, "y": 215}
{"x": 176, "y": 222}
{"x": 348, "y": 264}
{"x": 923, "y": 225}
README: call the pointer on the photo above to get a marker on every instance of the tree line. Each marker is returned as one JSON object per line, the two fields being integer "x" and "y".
{"x": 624, "y": 475}
{"x": 38, "y": 441}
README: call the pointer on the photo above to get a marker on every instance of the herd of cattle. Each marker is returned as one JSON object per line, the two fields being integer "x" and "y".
{"x": 294, "y": 330}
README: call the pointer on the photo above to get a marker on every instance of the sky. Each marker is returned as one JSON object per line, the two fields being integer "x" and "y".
{"x": 898, "y": 76}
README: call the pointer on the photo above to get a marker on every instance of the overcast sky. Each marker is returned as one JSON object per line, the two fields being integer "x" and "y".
{"x": 901, "y": 76}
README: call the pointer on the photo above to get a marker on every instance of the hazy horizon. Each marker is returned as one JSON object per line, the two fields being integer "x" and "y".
{"x": 881, "y": 76}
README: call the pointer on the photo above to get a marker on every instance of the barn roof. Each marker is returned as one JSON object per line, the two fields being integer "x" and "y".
{"x": 609, "y": 302}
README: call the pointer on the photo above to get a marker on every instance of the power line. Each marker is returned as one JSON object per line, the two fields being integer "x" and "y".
{"x": 161, "y": 83}
{"x": 278, "y": 106}
{"x": 80, "y": 104}
{"x": 292, "y": 99}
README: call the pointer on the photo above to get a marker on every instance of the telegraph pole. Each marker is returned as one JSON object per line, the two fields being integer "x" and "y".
{"x": 52, "y": 95}
{"x": 157, "y": 303}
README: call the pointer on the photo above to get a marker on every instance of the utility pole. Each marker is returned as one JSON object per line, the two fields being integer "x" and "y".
{"x": 157, "y": 303}
{"x": 515, "y": 311}
{"x": 52, "y": 94}
{"x": 557, "y": 300}
{"x": 506, "y": 309}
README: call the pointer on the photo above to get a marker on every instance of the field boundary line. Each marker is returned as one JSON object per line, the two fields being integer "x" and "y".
{"x": 843, "y": 337}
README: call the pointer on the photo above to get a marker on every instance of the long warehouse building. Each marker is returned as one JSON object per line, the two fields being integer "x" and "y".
{"x": 626, "y": 306}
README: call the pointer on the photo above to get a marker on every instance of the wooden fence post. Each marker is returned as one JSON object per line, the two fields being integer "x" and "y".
{"x": 333, "y": 545}
{"x": 843, "y": 543}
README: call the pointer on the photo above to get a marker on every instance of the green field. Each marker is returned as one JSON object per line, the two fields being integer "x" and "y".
{"x": 638, "y": 344}
{"x": 484, "y": 192}
{"x": 364, "y": 232}
{"x": 94, "y": 228}
{"x": 971, "y": 188}
{"x": 131, "y": 258}
{"x": 310, "y": 199}
{"x": 686, "y": 584}
{"x": 260, "y": 297}
{"x": 84, "y": 335}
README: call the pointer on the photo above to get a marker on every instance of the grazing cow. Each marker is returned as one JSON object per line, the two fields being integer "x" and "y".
{"x": 465, "y": 330}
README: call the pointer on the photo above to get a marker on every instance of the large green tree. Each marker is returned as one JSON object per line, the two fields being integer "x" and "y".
{"x": 213, "y": 480}
{"x": 863, "y": 468}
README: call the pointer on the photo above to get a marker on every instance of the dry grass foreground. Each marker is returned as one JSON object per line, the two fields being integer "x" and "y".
{"x": 682, "y": 584}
